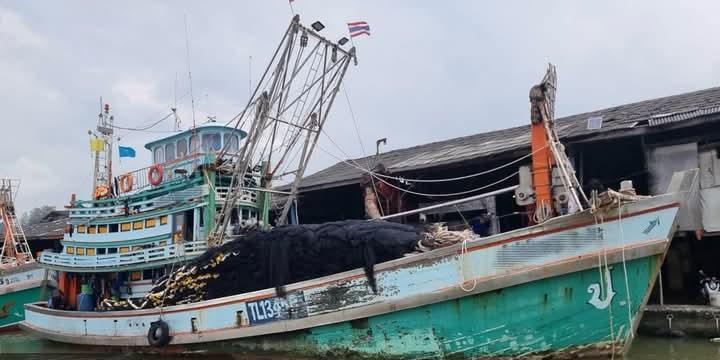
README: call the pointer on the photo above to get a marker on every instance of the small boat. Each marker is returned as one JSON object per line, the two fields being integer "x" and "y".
{"x": 574, "y": 283}
{"x": 22, "y": 281}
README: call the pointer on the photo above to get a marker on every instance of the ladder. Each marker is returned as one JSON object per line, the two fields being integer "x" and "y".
{"x": 15, "y": 249}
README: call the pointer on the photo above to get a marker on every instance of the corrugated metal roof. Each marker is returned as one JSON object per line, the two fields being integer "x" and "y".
{"x": 650, "y": 112}
{"x": 51, "y": 227}
{"x": 680, "y": 116}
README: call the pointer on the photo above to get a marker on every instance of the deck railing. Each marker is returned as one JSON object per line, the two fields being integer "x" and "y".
{"x": 142, "y": 256}
{"x": 185, "y": 166}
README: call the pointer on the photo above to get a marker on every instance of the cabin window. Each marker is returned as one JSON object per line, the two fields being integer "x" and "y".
{"x": 101, "y": 251}
{"x": 137, "y": 247}
{"x": 149, "y": 223}
{"x": 211, "y": 142}
{"x": 147, "y": 274}
{"x": 114, "y": 228}
{"x": 125, "y": 226}
{"x": 231, "y": 142}
{"x": 137, "y": 225}
{"x": 112, "y": 251}
{"x": 80, "y": 251}
{"x": 182, "y": 148}
{"x": 124, "y": 249}
{"x": 194, "y": 144}
{"x": 201, "y": 221}
{"x": 158, "y": 155}
{"x": 70, "y": 249}
{"x": 92, "y": 229}
{"x": 102, "y": 229}
{"x": 136, "y": 275}
{"x": 81, "y": 229}
{"x": 163, "y": 220}
{"x": 170, "y": 152}
{"x": 90, "y": 251}
{"x": 163, "y": 243}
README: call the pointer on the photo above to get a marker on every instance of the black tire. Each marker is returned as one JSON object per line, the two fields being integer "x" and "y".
{"x": 158, "y": 334}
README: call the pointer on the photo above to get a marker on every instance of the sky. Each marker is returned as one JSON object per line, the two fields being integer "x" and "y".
{"x": 431, "y": 70}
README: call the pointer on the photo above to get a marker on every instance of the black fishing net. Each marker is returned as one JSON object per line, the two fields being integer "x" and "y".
{"x": 283, "y": 255}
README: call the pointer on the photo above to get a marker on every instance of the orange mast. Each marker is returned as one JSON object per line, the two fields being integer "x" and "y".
{"x": 542, "y": 157}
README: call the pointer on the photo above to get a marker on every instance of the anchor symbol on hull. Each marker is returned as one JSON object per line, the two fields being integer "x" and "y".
{"x": 594, "y": 289}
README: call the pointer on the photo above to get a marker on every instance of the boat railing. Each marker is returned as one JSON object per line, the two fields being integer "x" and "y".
{"x": 149, "y": 255}
{"x": 172, "y": 170}
{"x": 247, "y": 196}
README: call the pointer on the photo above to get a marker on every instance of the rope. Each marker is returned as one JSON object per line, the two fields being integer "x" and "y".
{"x": 362, "y": 147}
{"x": 627, "y": 285}
{"x": 371, "y": 173}
{"x": 463, "y": 253}
{"x": 145, "y": 127}
{"x": 542, "y": 213}
{"x": 464, "y": 176}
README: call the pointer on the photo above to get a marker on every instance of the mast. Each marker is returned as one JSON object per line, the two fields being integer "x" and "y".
{"x": 15, "y": 250}
{"x": 548, "y": 153}
{"x": 102, "y": 146}
{"x": 286, "y": 114}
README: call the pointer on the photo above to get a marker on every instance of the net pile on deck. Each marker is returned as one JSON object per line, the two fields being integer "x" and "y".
{"x": 284, "y": 255}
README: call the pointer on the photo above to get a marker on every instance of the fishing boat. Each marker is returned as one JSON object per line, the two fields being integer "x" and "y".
{"x": 573, "y": 284}
{"x": 22, "y": 281}
{"x": 139, "y": 224}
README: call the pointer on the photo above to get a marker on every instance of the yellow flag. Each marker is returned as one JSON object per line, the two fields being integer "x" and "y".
{"x": 97, "y": 144}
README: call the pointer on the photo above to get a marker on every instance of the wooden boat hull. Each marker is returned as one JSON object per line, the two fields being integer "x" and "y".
{"x": 539, "y": 289}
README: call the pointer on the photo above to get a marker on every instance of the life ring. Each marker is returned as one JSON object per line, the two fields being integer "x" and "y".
{"x": 155, "y": 174}
{"x": 125, "y": 182}
{"x": 158, "y": 334}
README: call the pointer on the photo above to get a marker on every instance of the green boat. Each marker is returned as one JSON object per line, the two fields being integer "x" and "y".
{"x": 22, "y": 281}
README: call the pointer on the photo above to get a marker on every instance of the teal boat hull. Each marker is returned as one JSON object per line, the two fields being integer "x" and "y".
{"x": 551, "y": 315}
{"x": 12, "y": 306}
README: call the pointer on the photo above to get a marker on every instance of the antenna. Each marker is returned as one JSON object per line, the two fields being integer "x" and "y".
{"x": 176, "y": 124}
{"x": 249, "y": 76}
{"x": 187, "y": 49}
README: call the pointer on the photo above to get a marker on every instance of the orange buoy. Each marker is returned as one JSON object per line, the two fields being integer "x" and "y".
{"x": 126, "y": 182}
{"x": 155, "y": 174}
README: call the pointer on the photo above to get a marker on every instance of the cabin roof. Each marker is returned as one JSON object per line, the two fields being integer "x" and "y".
{"x": 200, "y": 129}
{"x": 625, "y": 120}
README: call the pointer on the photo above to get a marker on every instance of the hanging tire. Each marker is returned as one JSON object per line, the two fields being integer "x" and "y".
{"x": 155, "y": 174}
{"x": 158, "y": 334}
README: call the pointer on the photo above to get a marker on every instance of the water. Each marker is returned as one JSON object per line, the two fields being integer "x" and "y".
{"x": 17, "y": 343}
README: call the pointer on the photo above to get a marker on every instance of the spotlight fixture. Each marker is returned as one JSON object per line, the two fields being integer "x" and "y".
{"x": 317, "y": 26}
{"x": 343, "y": 41}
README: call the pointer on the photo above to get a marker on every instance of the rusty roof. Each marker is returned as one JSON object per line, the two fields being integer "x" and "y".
{"x": 638, "y": 115}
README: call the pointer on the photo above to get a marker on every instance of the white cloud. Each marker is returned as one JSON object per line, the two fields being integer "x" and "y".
{"x": 138, "y": 92}
{"x": 14, "y": 32}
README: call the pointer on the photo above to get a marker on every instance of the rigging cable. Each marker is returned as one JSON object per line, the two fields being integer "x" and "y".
{"x": 144, "y": 128}
{"x": 415, "y": 192}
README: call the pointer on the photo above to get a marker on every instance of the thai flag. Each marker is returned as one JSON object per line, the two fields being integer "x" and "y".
{"x": 359, "y": 28}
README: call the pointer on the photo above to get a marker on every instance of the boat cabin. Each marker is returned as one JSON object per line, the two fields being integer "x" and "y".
{"x": 155, "y": 216}
{"x": 204, "y": 139}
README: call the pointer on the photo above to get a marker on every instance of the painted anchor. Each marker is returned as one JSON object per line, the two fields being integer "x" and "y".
{"x": 594, "y": 289}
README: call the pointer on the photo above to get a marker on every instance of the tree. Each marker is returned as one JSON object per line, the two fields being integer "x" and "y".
{"x": 36, "y": 215}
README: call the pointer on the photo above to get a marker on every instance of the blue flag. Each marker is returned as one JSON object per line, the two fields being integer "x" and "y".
{"x": 126, "y": 151}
